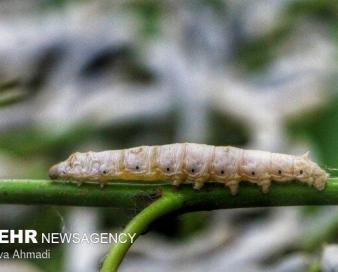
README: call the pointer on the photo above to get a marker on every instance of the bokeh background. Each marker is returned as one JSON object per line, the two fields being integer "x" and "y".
{"x": 96, "y": 75}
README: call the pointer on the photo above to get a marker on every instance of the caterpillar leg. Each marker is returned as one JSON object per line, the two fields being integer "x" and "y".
{"x": 233, "y": 186}
{"x": 177, "y": 182}
{"x": 265, "y": 185}
{"x": 319, "y": 184}
{"x": 198, "y": 185}
{"x": 310, "y": 182}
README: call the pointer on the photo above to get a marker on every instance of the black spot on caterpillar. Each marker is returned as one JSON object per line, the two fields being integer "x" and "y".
{"x": 191, "y": 163}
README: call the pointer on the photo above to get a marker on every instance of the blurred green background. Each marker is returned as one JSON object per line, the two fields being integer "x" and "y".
{"x": 79, "y": 76}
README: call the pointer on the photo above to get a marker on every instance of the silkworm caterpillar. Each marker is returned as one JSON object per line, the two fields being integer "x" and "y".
{"x": 191, "y": 163}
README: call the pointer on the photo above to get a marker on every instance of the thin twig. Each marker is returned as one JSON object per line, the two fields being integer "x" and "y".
{"x": 139, "y": 224}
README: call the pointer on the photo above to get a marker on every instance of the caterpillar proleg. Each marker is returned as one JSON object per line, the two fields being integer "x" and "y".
{"x": 191, "y": 163}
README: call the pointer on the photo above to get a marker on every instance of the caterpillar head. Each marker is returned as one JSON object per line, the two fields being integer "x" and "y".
{"x": 77, "y": 166}
{"x": 58, "y": 171}
{"x": 309, "y": 172}
{"x": 67, "y": 169}
{"x": 319, "y": 177}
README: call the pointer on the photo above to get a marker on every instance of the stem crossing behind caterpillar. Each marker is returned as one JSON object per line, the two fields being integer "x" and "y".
{"x": 191, "y": 163}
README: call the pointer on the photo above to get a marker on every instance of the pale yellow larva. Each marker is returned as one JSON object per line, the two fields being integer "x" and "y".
{"x": 191, "y": 163}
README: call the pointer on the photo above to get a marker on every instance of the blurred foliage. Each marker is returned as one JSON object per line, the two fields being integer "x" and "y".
{"x": 324, "y": 10}
{"x": 321, "y": 128}
{"x": 11, "y": 93}
{"x": 43, "y": 220}
{"x": 315, "y": 266}
{"x": 121, "y": 60}
{"x": 30, "y": 141}
{"x": 324, "y": 233}
{"x": 48, "y": 4}
{"x": 149, "y": 12}
{"x": 54, "y": 264}
{"x": 256, "y": 54}
{"x": 182, "y": 227}
{"x": 226, "y": 131}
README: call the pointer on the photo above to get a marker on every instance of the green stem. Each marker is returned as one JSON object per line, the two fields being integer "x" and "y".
{"x": 139, "y": 195}
{"x": 166, "y": 204}
{"x": 159, "y": 199}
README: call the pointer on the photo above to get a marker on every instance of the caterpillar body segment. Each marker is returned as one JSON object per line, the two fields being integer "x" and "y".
{"x": 191, "y": 163}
